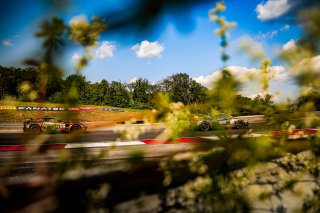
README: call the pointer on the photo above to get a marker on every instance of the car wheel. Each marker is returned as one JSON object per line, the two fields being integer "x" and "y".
{"x": 204, "y": 126}
{"x": 75, "y": 128}
{"x": 240, "y": 124}
{"x": 35, "y": 129}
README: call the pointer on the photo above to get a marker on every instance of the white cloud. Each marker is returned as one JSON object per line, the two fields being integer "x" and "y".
{"x": 105, "y": 50}
{"x": 279, "y": 73}
{"x": 272, "y": 9}
{"x": 243, "y": 74}
{"x": 76, "y": 56}
{"x": 289, "y": 45}
{"x": 148, "y": 49}
{"x": 251, "y": 87}
{"x": 271, "y": 34}
{"x": 285, "y": 28}
{"x": 266, "y": 36}
{"x": 7, "y": 42}
{"x": 75, "y": 20}
{"x": 133, "y": 79}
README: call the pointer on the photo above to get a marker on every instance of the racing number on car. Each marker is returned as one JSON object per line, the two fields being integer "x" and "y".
{"x": 61, "y": 126}
{"x": 53, "y": 125}
{"x": 43, "y": 125}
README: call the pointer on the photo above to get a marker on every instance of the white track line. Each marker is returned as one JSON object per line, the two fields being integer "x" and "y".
{"x": 103, "y": 144}
{"x": 252, "y": 135}
{"x": 11, "y": 130}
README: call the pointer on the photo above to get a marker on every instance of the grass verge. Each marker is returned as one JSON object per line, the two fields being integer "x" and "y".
{"x": 105, "y": 117}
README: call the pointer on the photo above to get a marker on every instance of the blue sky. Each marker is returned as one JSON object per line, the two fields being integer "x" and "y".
{"x": 181, "y": 41}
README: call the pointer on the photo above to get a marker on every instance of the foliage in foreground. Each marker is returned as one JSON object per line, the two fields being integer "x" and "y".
{"x": 211, "y": 176}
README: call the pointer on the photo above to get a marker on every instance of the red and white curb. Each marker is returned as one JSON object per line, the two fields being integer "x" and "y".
{"x": 295, "y": 134}
{"x": 308, "y": 131}
{"x": 5, "y": 148}
{"x": 102, "y": 144}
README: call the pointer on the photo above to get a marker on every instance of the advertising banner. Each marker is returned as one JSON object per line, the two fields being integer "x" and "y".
{"x": 35, "y": 108}
{"x": 73, "y": 109}
{"x": 8, "y": 107}
{"x": 81, "y": 108}
{"x": 112, "y": 110}
{"x": 44, "y": 108}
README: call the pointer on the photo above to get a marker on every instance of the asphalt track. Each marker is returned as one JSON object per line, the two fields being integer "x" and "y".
{"x": 15, "y": 136}
{"x": 27, "y": 161}
{"x": 21, "y": 138}
{"x": 18, "y": 137}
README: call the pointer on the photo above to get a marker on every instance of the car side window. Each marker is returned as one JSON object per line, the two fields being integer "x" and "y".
{"x": 49, "y": 119}
{"x": 222, "y": 117}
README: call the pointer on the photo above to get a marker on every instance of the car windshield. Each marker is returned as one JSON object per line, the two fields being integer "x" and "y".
{"x": 224, "y": 117}
{"x": 49, "y": 119}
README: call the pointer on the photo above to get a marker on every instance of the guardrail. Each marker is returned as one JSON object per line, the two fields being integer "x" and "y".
{"x": 46, "y": 108}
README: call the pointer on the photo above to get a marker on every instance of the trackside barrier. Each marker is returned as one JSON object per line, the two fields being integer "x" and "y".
{"x": 295, "y": 132}
{"x": 81, "y": 108}
{"x": 112, "y": 110}
{"x": 8, "y": 107}
{"x": 35, "y": 108}
{"x": 45, "y": 108}
{"x": 5, "y": 148}
{"x": 168, "y": 141}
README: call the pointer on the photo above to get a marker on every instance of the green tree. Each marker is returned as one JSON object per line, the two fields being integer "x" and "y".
{"x": 266, "y": 99}
{"x": 50, "y": 76}
{"x": 117, "y": 95}
{"x": 104, "y": 88}
{"x": 52, "y": 32}
{"x": 244, "y": 104}
{"x": 74, "y": 86}
{"x": 312, "y": 97}
{"x": 184, "y": 89}
{"x": 91, "y": 94}
{"x": 11, "y": 79}
{"x": 142, "y": 93}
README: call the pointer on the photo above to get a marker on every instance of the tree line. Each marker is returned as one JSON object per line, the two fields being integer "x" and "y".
{"x": 140, "y": 94}
{"x": 11, "y": 79}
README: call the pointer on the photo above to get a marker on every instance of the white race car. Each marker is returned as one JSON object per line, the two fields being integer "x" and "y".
{"x": 205, "y": 124}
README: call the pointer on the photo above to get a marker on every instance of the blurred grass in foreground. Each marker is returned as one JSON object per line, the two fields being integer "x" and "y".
{"x": 208, "y": 178}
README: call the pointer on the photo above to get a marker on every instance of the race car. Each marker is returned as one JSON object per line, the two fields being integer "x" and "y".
{"x": 221, "y": 120}
{"x": 52, "y": 125}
